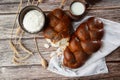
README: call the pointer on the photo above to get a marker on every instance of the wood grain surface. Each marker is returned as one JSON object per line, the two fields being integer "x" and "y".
{"x": 108, "y": 9}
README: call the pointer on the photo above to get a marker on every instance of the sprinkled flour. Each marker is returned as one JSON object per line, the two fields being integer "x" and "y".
{"x": 33, "y": 21}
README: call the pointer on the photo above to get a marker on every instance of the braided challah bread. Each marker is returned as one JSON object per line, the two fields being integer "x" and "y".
{"x": 79, "y": 46}
{"x": 57, "y": 31}
{"x": 84, "y": 41}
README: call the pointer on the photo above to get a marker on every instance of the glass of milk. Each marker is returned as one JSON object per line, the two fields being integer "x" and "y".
{"x": 77, "y": 9}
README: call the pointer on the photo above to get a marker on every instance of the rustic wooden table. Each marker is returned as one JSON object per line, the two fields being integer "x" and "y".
{"x": 108, "y": 9}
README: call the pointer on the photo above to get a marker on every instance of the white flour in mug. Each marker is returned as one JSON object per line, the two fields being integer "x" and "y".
{"x": 33, "y": 21}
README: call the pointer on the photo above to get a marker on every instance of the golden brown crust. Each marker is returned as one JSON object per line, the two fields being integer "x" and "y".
{"x": 59, "y": 25}
{"x": 83, "y": 43}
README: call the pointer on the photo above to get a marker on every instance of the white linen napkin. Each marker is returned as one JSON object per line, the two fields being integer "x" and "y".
{"x": 96, "y": 64}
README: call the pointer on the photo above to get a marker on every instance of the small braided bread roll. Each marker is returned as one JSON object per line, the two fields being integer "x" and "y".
{"x": 58, "y": 28}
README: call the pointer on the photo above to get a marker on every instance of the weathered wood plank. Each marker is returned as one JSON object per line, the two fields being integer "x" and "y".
{"x": 10, "y": 6}
{"x": 17, "y": 1}
{"x": 112, "y": 14}
{"x": 6, "y": 21}
{"x": 6, "y": 54}
{"x": 115, "y": 56}
{"x": 37, "y": 72}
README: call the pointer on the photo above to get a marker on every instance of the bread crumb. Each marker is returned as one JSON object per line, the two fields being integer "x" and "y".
{"x": 46, "y": 45}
